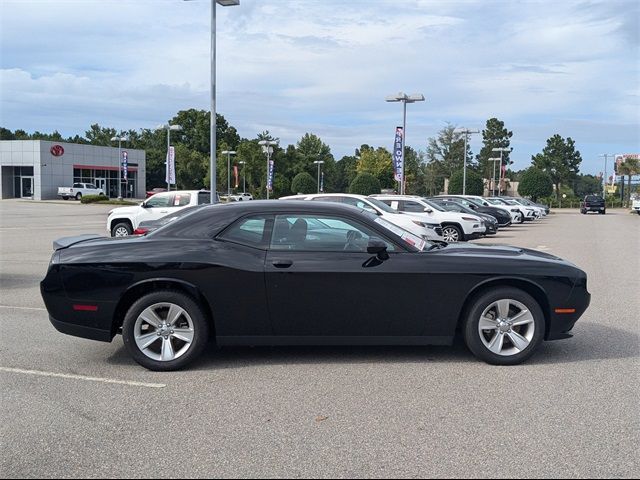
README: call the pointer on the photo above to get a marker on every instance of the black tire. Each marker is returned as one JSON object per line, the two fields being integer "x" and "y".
{"x": 453, "y": 232}
{"x": 521, "y": 218}
{"x": 472, "y": 335}
{"x": 119, "y": 229}
{"x": 604, "y": 212}
{"x": 200, "y": 330}
{"x": 78, "y": 196}
{"x": 65, "y": 198}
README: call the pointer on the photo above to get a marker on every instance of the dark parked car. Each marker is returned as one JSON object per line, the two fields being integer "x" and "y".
{"x": 593, "y": 203}
{"x": 306, "y": 273}
{"x": 502, "y": 216}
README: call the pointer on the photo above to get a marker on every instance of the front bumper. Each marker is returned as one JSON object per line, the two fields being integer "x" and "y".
{"x": 562, "y": 323}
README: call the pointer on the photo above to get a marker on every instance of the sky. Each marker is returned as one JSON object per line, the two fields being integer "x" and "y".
{"x": 326, "y": 66}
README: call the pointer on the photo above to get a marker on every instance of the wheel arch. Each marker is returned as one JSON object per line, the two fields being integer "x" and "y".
{"x": 137, "y": 290}
{"x": 528, "y": 286}
{"x": 115, "y": 221}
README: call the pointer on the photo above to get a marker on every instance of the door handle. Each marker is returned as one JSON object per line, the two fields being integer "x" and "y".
{"x": 282, "y": 263}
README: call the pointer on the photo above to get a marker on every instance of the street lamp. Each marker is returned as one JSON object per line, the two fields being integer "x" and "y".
{"x": 244, "y": 183}
{"x": 169, "y": 128}
{"x": 212, "y": 133}
{"x": 493, "y": 178}
{"x": 228, "y": 153}
{"x": 267, "y": 149}
{"x": 404, "y": 98}
{"x": 501, "y": 150}
{"x": 466, "y": 133}
{"x": 119, "y": 139}
{"x": 319, "y": 162}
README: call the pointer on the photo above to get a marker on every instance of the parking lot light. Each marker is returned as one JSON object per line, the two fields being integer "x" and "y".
{"x": 228, "y": 153}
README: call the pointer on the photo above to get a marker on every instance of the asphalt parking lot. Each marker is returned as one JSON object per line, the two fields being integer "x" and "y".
{"x": 77, "y": 408}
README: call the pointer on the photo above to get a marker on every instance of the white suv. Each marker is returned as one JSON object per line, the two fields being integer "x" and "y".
{"x": 456, "y": 227}
{"x": 429, "y": 230}
{"x": 122, "y": 221}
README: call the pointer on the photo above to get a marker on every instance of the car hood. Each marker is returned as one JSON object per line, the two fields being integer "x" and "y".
{"x": 124, "y": 210}
{"x": 499, "y": 251}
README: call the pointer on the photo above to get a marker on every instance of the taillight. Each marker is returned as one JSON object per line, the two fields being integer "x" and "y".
{"x": 140, "y": 231}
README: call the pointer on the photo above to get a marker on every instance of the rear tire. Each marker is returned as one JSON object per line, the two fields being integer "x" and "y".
{"x": 79, "y": 196}
{"x": 504, "y": 326}
{"x": 165, "y": 331}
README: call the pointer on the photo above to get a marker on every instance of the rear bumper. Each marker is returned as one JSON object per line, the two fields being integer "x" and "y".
{"x": 81, "y": 331}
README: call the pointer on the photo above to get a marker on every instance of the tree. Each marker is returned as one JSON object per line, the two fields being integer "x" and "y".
{"x": 345, "y": 172}
{"x": 445, "y": 154}
{"x": 379, "y": 164}
{"x": 196, "y": 134}
{"x": 495, "y": 135}
{"x": 304, "y": 183}
{"x": 535, "y": 183}
{"x": 586, "y": 185}
{"x": 475, "y": 184}
{"x": 191, "y": 168}
{"x": 559, "y": 159}
{"x": 97, "y": 135}
{"x": 365, "y": 184}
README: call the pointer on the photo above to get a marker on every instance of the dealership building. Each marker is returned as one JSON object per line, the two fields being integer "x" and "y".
{"x": 36, "y": 168}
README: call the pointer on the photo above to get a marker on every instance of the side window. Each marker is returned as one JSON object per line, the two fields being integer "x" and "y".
{"x": 248, "y": 231}
{"x": 413, "y": 207}
{"x": 159, "y": 200}
{"x": 321, "y": 234}
{"x": 91, "y": 186}
{"x": 78, "y": 185}
{"x": 181, "y": 200}
{"x": 204, "y": 198}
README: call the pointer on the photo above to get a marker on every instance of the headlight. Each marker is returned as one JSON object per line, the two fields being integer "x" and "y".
{"x": 470, "y": 219}
{"x": 420, "y": 224}
{"x": 55, "y": 258}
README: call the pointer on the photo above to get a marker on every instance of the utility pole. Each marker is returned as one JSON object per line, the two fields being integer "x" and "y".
{"x": 466, "y": 133}
{"x": 604, "y": 179}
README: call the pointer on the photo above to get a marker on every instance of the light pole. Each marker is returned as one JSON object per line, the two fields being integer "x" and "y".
{"x": 212, "y": 156}
{"x": 501, "y": 150}
{"x": 169, "y": 128}
{"x": 228, "y": 153}
{"x": 493, "y": 178}
{"x": 319, "y": 162}
{"x": 604, "y": 179}
{"x": 267, "y": 149}
{"x": 404, "y": 98}
{"x": 466, "y": 133}
{"x": 244, "y": 183}
{"x": 119, "y": 139}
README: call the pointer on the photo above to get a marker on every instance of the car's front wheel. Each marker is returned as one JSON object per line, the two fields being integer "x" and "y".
{"x": 122, "y": 229}
{"x": 165, "y": 330}
{"x": 452, "y": 234}
{"x": 504, "y": 326}
{"x": 78, "y": 196}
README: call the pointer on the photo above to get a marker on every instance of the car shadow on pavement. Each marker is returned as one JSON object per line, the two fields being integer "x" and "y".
{"x": 592, "y": 342}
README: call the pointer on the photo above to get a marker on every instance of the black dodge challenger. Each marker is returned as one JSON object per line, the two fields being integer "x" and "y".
{"x": 306, "y": 273}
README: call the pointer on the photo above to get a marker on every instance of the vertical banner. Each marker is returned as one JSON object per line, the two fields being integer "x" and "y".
{"x": 125, "y": 165}
{"x": 171, "y": 166}
{"x": 398, "y": 155}
{"x": 322, "y": 182}
{"x": 235, "y": 174}
{"x": 270, "y": 176}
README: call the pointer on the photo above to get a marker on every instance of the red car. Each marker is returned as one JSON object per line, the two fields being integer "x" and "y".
{"x": 154, "y": 191}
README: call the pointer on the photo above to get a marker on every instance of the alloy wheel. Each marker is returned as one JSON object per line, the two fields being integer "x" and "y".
{"x": 121, "y": 232}
{"x": 450, "y": 235}
{"x": 164, "y": 332}
{"x": 506, "y": 327}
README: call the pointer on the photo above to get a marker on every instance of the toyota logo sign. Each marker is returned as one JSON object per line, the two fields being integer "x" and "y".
{"x": 57, "y": 151}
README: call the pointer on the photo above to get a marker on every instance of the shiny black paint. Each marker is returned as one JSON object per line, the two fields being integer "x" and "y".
{"x": 282, "y": 297}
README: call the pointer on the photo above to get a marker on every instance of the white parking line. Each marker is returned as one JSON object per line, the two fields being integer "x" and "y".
{"x": 40, "y": 309}
{"x": 82, "y": 377}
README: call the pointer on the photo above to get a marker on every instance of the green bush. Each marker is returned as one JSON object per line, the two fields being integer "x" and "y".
{"x": 365, "y": 184}
{"x": 475, "y": 185}
{"x": 93, "y": 198}
{"x": 304, "y": 183}
{"x": 535, "y": 183}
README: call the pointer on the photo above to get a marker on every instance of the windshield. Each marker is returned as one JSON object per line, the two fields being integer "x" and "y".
{"x": 407, "y": 237}
{"x": 380, "y": 205}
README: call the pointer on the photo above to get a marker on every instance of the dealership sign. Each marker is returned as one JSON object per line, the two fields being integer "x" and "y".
{"x": 270, "y": 176}
{"x": 57, "y": 150}
{"x": 398, "y": 155}
{"x": 171, "y": 166}
{"x": 125, "y": 165}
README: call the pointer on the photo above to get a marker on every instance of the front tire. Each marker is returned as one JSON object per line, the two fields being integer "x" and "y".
{"x": 122, "y": 229}
{"x": 165, "y": 331}
{"x": 452, "y": 234}
{"x": 504, "y": 326}
{"x": 79, "y": 196}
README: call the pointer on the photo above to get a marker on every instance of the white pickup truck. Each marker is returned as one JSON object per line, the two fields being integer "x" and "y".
{"x": 635, "y": 197}
{"x": 123, "y": 221}
{"x": 79, "y": 190}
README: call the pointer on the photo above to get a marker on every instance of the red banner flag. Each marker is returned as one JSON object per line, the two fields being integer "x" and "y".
{"x": 235, "y": 174}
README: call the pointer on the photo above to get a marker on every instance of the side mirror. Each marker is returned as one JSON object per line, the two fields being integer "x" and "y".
{"x": 378, "y": 247}
{"x": 144, "y": 205}
{"x": 427, "y": 210}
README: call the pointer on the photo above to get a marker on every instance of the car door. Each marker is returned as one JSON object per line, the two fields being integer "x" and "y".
{"x": 156, "y": 207}
{"x": 321, "y": 282}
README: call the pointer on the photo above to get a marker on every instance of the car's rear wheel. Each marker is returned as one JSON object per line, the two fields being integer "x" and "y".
{"x": 504, "y": 326}
{"x": 78, "y": 196}
{"x": 451, "y": 234}
{"x": 165, "y": 330}
{"x": 122, "y": 229}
